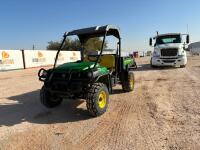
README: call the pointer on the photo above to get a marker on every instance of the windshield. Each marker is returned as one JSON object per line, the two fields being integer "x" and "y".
{"x": 168, "y": 39}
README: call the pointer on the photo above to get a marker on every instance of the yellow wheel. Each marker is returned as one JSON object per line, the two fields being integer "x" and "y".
{"x": 129, "y": 82}
{"x": 102, "y": 99}
{"x": 132, "y": 83}
{"x": 97, "y": 99}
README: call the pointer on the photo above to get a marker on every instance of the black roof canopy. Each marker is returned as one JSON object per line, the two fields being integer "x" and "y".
{"x": 97, "y": 31}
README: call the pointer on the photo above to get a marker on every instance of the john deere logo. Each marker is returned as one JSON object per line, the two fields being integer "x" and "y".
{"x": 6, "y": 58}
{"x": 39, "y": 58}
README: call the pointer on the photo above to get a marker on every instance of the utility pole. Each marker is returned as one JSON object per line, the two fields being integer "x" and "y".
{"x": 33, "y": 47}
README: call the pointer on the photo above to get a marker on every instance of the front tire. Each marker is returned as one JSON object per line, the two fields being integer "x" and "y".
{"x": 152, "y": 66}
{"x": 97, "y": 99}
{"x": 48, "y": 100}
{"x": 129, "y": 82}
{"x": 182, "y": 66}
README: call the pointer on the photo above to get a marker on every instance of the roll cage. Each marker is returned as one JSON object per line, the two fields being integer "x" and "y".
{"x": 87, "y": 33}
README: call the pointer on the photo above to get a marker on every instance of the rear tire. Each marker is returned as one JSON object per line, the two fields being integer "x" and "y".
{"x": 97, "y": 99}
{"x": 48, "y": 100}
{"x": 129, "y": 82}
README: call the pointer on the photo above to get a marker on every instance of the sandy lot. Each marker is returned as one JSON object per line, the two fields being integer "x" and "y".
{"x": 163, "y": 112}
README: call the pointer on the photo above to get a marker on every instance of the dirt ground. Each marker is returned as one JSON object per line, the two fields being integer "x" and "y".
{"x": 163, "y": 112}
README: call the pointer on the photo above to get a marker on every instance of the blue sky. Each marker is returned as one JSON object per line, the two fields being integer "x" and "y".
{"x": 27, "y": 22}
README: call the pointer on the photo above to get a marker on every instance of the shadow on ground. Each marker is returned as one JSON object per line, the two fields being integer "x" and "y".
{"x": 118, "y": 91}
{"x": 147, "y": 67}
{"x": 28, "y": 108}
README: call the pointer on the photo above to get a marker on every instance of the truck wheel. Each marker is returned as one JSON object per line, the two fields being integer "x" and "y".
{"x": 97, "y": 99}
{"x": 182, "y": 66}
{"x": 129, "y": 83}
{"x": 48, "y": 100}
{"x": 152, "y": 66}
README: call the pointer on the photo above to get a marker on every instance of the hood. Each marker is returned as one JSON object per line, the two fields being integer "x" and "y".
{"x": 76, "y": 66}
{"x": 170, "y": 45}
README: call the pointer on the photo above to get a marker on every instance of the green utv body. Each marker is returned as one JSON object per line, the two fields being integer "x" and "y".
{"x": 91, "y": 78}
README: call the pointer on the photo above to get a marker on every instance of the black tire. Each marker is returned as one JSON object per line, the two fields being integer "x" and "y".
{"x": 48, "y": 100}
{"x": 93, "y": 100}
{"x": 129, "y": 82}
{"x": 182, "y": 66}
{"x": 152, "y": 66}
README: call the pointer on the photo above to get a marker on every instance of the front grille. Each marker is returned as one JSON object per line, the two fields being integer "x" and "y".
{"x": 169, "y": 52}
{"x": 59, "y": 86}
{"x": 66, "y": 76}
{"x": 63, "y": 81}
{"x": 169, "y": 61}
{"x": 60, "y": 76}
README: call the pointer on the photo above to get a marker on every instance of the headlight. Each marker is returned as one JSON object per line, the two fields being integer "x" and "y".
{"x": 182, "y": 53}
{"x": 89, "y": 74}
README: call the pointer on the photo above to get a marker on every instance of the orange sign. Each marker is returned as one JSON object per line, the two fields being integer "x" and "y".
{"x": 5, "y": 55}
{"x": 5, "y": 58}
{"x": 40, "y": 55}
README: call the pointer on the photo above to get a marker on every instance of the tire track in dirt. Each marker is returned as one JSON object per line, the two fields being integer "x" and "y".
{"x": 100, "y": 134}
{"x": 117, "y": 130}
{"x": 150, "y": 126}
{"x": 143, "y": 125}
{"x": 182, "y": 120}
{"x": 165, "y": 118}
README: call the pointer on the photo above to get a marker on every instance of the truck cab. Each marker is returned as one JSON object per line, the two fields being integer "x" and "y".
{"x": 169, "y": 50}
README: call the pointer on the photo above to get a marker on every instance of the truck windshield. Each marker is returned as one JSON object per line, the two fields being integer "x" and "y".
{"x": 168, "y": 39}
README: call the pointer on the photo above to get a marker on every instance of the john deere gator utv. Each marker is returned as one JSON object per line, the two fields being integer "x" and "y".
{"x": 91, "y": 78}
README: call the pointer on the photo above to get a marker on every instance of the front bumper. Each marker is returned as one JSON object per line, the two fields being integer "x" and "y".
{"x": 67, "y": 89}
{"x": 157, "y": 61}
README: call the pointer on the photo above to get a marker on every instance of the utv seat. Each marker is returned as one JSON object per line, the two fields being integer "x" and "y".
{"x": 107, "y": 61}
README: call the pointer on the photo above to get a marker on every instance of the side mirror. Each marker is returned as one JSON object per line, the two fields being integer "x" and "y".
{"x": 186, "y": 48}
{"x": 187, "y": 39}
{"x": 150, "y": 41}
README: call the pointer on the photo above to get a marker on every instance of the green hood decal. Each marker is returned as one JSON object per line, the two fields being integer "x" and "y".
{"x": 76, "y": 66}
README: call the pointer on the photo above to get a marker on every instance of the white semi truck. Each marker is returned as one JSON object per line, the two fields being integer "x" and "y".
{"x": 169, "y": 50}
